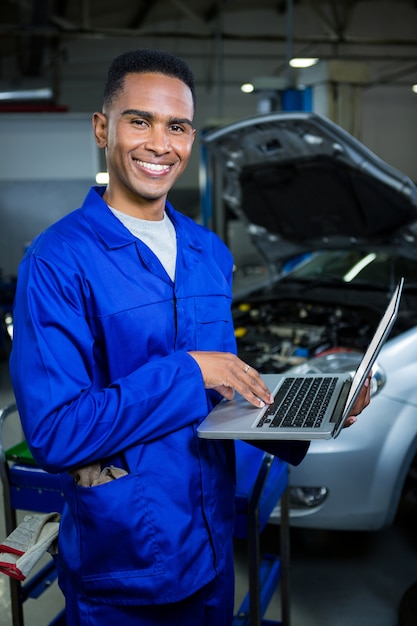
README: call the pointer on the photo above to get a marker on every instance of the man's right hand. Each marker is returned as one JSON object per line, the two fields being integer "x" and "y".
{"x": 226, "y": 373}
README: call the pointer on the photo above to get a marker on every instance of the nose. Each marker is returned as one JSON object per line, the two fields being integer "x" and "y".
{"x": 158, "y": 139}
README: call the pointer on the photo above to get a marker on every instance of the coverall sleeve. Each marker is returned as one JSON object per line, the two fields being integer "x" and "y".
{"x": 69, "y": 414}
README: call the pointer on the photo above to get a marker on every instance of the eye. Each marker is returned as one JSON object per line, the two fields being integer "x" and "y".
{"x": 139, "y": 122}
{"x": 176, "y": 128}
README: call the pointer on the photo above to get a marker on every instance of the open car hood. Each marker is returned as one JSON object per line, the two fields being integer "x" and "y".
{"x": 302, "y": 184}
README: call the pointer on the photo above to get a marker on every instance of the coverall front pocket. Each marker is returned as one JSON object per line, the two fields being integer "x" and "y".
{"x": 117, "y": 537}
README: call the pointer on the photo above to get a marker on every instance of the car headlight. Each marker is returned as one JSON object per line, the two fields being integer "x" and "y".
{"x": 8, "y": 319}
{"x": 341, "y": 361}
{"x": 301, "y": 497}
{"x": 378, "y": 379}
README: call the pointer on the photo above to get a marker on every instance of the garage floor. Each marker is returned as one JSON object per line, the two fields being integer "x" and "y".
{"x": 337, "y": 578}
{"x": 345, "y": 579}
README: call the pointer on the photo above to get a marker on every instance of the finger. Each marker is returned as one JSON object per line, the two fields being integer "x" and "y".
{"x": 253, "y": 398}
{"x": 251, "y": 377}
{"x": 226, "y": 371}
{"x": 350, "y": 421}
{"x": 251, "y": 386}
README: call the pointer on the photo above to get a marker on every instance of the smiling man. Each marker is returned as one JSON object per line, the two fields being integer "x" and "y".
{"x": 149, "y": 147}
{"x": 123, "y": 342}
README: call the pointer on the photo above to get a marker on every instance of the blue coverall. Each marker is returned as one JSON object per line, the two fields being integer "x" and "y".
{"x": 101, "y": 372}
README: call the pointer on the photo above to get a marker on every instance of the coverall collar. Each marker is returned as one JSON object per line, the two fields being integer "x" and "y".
{"x": 114, "y": 234}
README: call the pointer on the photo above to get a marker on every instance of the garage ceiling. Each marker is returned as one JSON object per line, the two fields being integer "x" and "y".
{"x": 331, "y": 27}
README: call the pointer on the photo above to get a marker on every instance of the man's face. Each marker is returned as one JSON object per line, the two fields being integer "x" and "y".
{"x": 148, "y": 134}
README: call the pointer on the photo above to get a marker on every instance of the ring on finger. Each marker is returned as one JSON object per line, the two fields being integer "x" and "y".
{"x": 247, "y": 368}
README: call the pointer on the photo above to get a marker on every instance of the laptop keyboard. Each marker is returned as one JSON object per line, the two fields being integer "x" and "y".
{"x": 299, "y": 402}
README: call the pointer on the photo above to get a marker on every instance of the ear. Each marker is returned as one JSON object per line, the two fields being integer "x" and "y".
{"x": 100, "y": 129}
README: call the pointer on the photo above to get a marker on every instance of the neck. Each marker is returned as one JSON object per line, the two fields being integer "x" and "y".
{"x": 137, "y": 207}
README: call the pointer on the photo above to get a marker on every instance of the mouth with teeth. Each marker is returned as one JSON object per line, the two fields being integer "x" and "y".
{"x": 157, "y": 168}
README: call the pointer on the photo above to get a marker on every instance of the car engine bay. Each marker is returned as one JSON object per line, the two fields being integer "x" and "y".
{"x": 274, "y": 333}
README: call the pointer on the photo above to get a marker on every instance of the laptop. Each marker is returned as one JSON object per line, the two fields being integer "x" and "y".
{"x": 307, "y": 406}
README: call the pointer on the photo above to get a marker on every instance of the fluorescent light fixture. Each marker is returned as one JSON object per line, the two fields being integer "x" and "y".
{"x": 26, "y": 95}
{"x": 102, "y": 178}
{"x": 358, "y": 267}
{"x": 414, "y": 88}
{"x": 247, "y": 88}
{"x": 300, "y": 62}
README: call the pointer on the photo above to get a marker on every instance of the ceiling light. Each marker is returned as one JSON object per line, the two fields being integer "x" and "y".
{"x": 247, "y": 88}
{"x": 102, "y": 178}
{"x": 26, "y": 95}
{"x": 414, "y": 88}
{"x": 300, "y": 62}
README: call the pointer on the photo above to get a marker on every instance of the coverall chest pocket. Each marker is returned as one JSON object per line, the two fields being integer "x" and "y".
{"x": 213, "y": 323}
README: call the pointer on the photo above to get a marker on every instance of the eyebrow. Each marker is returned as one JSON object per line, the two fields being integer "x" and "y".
{"x": 150, "y": 116}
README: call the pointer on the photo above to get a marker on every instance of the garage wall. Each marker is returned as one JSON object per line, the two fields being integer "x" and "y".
{"x": 389, "y": 126}
{"x": 27, "y": 208}
{"x": 49, "y": 160}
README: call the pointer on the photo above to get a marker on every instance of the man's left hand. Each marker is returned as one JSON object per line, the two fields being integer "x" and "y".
{"x": 361, "y": 403}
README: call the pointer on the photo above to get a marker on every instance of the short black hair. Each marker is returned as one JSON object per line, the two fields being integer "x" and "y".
{"x": 144, "y": 61}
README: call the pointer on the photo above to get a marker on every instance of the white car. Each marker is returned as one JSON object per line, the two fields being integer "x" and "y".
{"x": 337, "y": 228}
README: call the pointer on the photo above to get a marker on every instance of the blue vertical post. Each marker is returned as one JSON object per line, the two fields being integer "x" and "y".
{"x": 297, "y": 99}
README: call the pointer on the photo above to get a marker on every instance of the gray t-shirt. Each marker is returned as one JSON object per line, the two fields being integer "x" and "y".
{"x": 159, "y": 236}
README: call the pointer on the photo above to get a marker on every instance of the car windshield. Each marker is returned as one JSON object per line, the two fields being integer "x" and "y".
{"x": 353, "y": 266}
